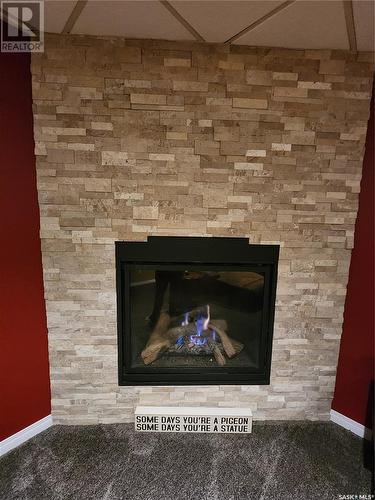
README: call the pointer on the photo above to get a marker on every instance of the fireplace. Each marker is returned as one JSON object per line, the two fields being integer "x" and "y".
{"x": 194, "y": 310}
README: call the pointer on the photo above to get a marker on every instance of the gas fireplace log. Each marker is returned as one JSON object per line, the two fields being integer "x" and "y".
{"x": 158, "y": 341}
{"x": 219, "y": 323}
{"x": 217, "y": 354}
{"x": 182, "y": 330}
{"x": 163, "y": 337}
{"x": 231, "y": 347}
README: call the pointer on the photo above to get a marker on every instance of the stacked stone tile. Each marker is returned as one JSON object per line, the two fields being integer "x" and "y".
{"x": 136, "y": 138}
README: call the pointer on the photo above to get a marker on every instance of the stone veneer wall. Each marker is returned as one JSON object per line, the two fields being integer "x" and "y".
{"x": 143, "y": 137}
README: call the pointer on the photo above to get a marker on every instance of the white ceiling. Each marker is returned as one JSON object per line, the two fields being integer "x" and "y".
{"x": 132, "y": 19}
{"x": 304, "y": 24}
{"x": 308, "y": 24}
{"x": 218, "y": 21}
{"x": 56, "y": 14}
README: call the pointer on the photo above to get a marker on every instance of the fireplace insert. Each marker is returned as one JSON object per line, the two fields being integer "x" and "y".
{"x": 194, "y": 310}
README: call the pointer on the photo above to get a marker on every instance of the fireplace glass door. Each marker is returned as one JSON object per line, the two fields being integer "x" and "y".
{"x": 195, "y": 317}
{"x": 189, "y": 322}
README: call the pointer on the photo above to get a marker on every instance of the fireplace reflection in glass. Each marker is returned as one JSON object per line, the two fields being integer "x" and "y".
{"x": 195, "y": 318}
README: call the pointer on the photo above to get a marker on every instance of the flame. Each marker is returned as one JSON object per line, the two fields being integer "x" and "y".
{"x": 207, "y": 320}
{"x": 186, "y": 319}
{"x": 201, "y": 324}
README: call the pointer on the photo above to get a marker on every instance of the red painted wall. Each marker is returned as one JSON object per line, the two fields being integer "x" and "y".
{"x": 24, "y": 372}
{"x": 355, "y": 371}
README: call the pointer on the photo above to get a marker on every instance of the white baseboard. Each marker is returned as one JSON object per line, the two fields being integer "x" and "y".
{"x": 351, "y": 425}
{"x": 46, "y": 422}
{"x": 26, "y": 433}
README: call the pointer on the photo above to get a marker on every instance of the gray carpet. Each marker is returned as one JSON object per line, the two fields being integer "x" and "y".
{"x": 278, "y": 461}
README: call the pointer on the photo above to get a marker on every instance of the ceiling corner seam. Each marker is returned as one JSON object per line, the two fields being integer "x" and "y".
{"x": 74, "y": 15}
{"x": 182, "y": 21}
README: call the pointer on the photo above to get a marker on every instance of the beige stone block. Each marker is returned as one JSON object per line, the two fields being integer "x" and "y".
{"x": 190, "y": 86}
{"x": 161, "y": 157}
{"x": 87, "y": 92}
{"x": 56, "y": 78}
{"x": 258, "y": 77}
{"x": 129, "y": 55}
{"x": 156, "y": 99}
{"x": 157, "y": 107}
{"x": 81, "y": 146}
{"x": 290, "y": 92}
{"x": 86, "y": 157}
{"x": 293, "y": 123}
{"x": 60, "y": 156}
{"x": 98, "y": 185}
{"x": 72, "y": 110}
{"x": 146, "y": 213}
{"x": 113, "y": 54}
{"x": 215, "y": 199}
{"x": 63, "y": 131}
{"x": 231, "y": 65}
{"x": 178, "y": 62}
{"x": 45, "y": 93}
{"x": 240, "y": 199}
{"x": 219, "y": 101}
{"x": 226, "y": 133}
{"x": 336, "y": 195}
{"x": 40, "y": 149}
{"x": 334, "y": 219}
{"x": 101, "y": 126}
{"x": 175, "y": 100}
{"x": 206, "y": 147}
{"x": 243, "y": 102}
{"x": 175, "y": 135}
{"x": 123, "y": 102}
{"x": 248, "y": 166}
{"x": 277, "y": 75}
{"x": 256, "y": 153}
{"x": 120, "y": 86}
{"x": 204, "y": 123}
{"x": 332, "y": 67}
{"x": 300, "y": 137}
{"x": 346, "y": 94}
{"x": 281, "y": 147}
{"x": 314, "y": 85}
{"x": 321, "y": 148}
{"x": 350, "y": 137}
{"x": 77, "y": 221}
{"x": 118, "y": 158}
{"x": 325, "y": 263}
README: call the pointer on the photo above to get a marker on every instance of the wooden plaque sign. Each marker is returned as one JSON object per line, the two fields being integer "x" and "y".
{"x": 193, "y": 419}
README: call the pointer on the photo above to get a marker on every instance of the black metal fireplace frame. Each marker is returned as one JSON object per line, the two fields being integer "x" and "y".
{"x": 209, "y": 252}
